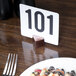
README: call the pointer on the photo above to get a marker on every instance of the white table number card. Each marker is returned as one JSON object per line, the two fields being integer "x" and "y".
{"x": 40, "y": 22}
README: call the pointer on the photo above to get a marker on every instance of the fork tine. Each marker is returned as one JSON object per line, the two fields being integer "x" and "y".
{"x": 6, "y": 65}
{"x": 9, "y": 66}
{"x": 12, "y": 65}
{"x": 14, "y": 69}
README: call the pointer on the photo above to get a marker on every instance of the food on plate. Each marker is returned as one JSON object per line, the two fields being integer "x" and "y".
{"x": 52, "y": 72}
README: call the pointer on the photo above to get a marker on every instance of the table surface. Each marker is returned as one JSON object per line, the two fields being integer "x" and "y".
{"x": 11, "y": 41}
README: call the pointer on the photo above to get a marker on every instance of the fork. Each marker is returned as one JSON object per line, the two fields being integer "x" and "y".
{"x": 11, "y": 64}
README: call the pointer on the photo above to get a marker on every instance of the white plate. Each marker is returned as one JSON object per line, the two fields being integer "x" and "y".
{"x": 66, "y": 63}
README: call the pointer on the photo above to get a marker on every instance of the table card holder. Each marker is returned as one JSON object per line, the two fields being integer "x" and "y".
{"x": 38, "y": 41}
